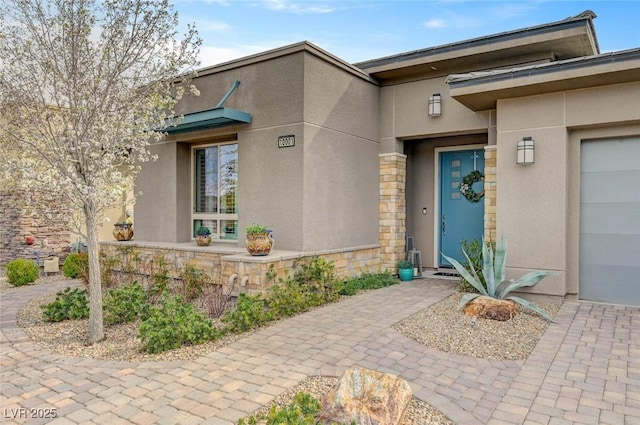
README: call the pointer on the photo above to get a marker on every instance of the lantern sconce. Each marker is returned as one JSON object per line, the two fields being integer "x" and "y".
{"x": 435, "y": 105}
{"x": 526, "y": 151}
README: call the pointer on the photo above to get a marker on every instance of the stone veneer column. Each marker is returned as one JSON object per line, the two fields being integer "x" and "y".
{"x": 392, "y": 209}
{"x": 490, "y": 181}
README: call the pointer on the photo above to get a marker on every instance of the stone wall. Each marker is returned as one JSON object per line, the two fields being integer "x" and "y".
{"x": 490, "y": 182}
{"x": 20, "y": 217}
{"x": 392, "y": 209}
{"x": 234, "y": 267}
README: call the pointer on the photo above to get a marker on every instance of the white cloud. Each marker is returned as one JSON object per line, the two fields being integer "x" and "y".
{"x": 434, "y": 23}
{"x": 456, "y": 21}
{"x": 212, "y": 55}
{"x": 299, "y": 8}
{"x": 215, "y": 26}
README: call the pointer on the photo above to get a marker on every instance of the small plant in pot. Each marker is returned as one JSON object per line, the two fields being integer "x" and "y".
{"x": 405, "y": 270}
{"x": 259, "y": 239}
{"x": 203, "y": 236}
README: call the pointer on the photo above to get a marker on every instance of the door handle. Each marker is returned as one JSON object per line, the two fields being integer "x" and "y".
{"x": 444, "y": 224}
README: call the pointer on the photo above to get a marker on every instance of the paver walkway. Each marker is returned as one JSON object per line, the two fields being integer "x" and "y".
{"x": 585, "y": 370}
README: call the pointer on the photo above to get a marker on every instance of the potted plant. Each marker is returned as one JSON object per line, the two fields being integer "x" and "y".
{"x": 405, "y": 270}
{"x": 203, "y": 236}
{"x": 123, "y": 231}
{"x": 259, "y": 239}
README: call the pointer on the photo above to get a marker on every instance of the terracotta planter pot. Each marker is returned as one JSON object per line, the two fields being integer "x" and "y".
{"x": 123, "y": 232}
{"x": 259, "y": 243}
{"x": 203, "y": 240}
{"x": 31, "y": 240}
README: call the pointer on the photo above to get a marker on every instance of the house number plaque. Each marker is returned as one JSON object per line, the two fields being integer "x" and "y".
{"x": 286, "y": 141}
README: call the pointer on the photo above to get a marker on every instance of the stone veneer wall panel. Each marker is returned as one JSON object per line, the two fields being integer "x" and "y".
{"x": 221, "y": 266}
{"x": 19, "y": 218}
{"x": 490, "y": 185}
{"x": 392, "y": 208}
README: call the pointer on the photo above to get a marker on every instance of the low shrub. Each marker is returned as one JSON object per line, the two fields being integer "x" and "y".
{"x": 125, "y": 304}
{"x": 249, "y": 313}
{"x": 302, "y": 410}
{"x": 192, "y": 281}
{"x": 174, "y": 323}
{"x": 288, "y": 298}
{"x": 74, "y": 265}
{"x": 22, "y": 271}
{"x": 318, "y": 277}
{"x": 367, "y": 281}
{"x": 214, "y": 301}
{"x": 69, "y": 304}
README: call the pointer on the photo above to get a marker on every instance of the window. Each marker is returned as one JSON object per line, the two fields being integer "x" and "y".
{"x": 215, "y": 190}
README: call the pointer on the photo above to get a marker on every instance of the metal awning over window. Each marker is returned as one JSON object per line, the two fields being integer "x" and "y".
{"x": 217, "y": 117}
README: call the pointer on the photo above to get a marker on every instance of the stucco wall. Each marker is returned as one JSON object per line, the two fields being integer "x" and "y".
{"x": 271, "y": 184}
{"x": 341, "y": 146}
{"x": 270, "y": 91}
{"x": 156, "y": 208}
{"x": 404, "y": 113}
{"x": 306, "y": 193}
{"x": 538, "y": 205}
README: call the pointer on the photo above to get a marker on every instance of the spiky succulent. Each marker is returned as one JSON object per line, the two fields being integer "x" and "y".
{"x": 493, "y": 269}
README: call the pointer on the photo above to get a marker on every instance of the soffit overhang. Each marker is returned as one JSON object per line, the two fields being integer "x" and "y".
{"x": 570, "y": 38}
{"x": 481, "y": 91}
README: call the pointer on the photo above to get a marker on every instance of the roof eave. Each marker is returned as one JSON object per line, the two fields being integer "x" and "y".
{"x": 482, "y": 92}
{"x": 579, "y": 27}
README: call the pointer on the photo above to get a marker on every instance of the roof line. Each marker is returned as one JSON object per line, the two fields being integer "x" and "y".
{"x": 472, "y": 78}
{"x": 587, "y": 15}
{"x": 305, "y": 46}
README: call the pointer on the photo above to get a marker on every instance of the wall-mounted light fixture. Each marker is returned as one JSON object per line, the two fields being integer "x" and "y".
{"x": 526, "y": 151}
{"x": 435, "y": 105}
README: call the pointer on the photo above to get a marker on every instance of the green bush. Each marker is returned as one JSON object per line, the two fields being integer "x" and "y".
{"x": 125, "y": 304}
{"x": 249, "y": 313}
{"x": 193, "y": 280}
{"x": 69, "y": 304}
{"x": 286, "y": 299}
{"x": 174, "y": 323}
{"x": 301, "y": 411}
{"x": 22, "y": 271}
{"x": 367, "y": 281}
{"x": 74, "y": 265}
{"x": 318, "y": 278}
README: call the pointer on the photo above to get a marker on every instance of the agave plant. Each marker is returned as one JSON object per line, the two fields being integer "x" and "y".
{"x": 493, "y": 271}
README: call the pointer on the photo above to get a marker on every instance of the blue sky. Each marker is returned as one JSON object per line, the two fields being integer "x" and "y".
{"x": 358, "y": 30}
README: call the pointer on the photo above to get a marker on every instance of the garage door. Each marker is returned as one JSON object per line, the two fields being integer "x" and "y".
{"x": 610, "y": 220}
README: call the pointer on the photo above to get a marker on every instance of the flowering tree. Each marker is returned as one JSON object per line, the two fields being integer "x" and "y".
{"x": 85, "y": 87}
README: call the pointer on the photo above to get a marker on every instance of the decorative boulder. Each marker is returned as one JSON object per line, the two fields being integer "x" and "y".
{"x": 490, "y": 308}
{"x": 368, "y": 397}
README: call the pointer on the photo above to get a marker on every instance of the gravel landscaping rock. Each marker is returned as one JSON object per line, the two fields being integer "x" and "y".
{"x": 445, "y": 328}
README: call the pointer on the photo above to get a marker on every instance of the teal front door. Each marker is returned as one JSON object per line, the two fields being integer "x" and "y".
{"x": 460, "y": 219}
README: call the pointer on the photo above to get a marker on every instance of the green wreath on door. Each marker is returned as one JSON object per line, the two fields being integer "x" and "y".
{"x": 466, "y": 186}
